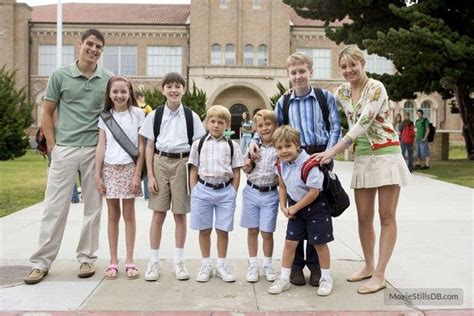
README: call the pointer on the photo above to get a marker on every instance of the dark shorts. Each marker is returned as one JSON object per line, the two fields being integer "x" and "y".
{"x": 313, "y": 222}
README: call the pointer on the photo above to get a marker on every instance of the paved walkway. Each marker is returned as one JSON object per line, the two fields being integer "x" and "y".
{"x": 434, "y": 253}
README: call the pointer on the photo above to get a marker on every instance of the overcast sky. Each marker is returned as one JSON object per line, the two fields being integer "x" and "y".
{"x": 43, "y": 2}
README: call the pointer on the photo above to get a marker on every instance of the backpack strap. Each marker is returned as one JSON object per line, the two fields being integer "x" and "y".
{"x": 157, "y": 121}
{"x": 309, "y": 164}
{"x": 323, "y": 104}
{"x": 286, "y": 109}
{"x": 188, "y": 114}
{"x": 201, "y": 143}
{"x": 278, "y": 165}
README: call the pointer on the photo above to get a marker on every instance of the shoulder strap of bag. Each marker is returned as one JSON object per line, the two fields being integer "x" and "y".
{"x": 157, "y": 121}
{"x": 309, "y": 164}
{"x": 323, "y": 104}
{"x": 188, "y": 114}
{"x": 286, "y": 109}
{"x": 201, "y": 143}
{"x": 119, "y": 135}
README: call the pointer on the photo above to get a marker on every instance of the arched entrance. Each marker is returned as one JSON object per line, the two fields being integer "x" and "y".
{"x": 236, "y": 111}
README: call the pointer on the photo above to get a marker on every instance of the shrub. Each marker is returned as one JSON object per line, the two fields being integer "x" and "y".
{"x": 15, "y": 117}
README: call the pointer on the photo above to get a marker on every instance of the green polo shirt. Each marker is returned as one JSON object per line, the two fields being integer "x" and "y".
{"x": 80, "y": 100}
{"x": 421, "y": 125}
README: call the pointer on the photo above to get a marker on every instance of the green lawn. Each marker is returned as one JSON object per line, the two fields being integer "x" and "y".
{"x": 22, "y": 182}
{"x": 458, "y": 171}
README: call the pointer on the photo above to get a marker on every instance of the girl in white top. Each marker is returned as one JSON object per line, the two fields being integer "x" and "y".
{"x": 116, "y": 174}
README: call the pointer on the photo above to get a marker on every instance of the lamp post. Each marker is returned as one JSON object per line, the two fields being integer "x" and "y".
{"x": 59, "y": 34}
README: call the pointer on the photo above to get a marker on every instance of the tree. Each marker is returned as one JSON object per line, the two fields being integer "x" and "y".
{"x": 15, "y": 117}
{"x": 430, "y": 42}
{"x": 196, "y": 99}
{"x": 281, "y": 90}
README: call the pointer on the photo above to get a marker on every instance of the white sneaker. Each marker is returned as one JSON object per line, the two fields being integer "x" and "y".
{"x": 204, "y": 273}
{"x": 224, "y": 273}
{"x": 270, "y": 274}
{"x": 152, "y": 271}
{"x": 252, "y": 274}
{"x": 180, "y": 271}
{"x": 279, "y": 286}
{"x": 325, "y": 286}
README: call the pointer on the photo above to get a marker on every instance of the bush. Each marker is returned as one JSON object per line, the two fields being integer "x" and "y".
{"x": 15, "y": 117}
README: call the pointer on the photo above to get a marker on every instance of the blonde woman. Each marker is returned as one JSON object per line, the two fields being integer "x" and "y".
{"x": 379, "y": 167}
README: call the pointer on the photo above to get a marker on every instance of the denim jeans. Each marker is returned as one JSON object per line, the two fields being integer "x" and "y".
{"x": 75, "y": 194}
{"x": 408, "y": 147}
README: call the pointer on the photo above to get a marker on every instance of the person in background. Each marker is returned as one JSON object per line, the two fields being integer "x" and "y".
{"x": 246, "y": 130}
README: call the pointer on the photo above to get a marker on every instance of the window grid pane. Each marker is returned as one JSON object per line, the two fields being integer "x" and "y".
{"x": 248, "y": 55}
{"x": 229, "y": 54}
{"x": 409, "y": 107}
{"x": 426, "y": 107}
{"x": 121, "y": 60}
{"x": 216, "y": 54}
{"x": 321, "y": 61}
{"x": 377, "y": 64}
{"x": 262, "y": 55}
{"x": 47, "y": 58}
{"x": 164, "y": 59}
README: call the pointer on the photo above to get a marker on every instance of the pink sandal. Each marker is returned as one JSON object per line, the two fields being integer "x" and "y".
{"x": 131, "y": 266}
{"x": 111, "y": 267}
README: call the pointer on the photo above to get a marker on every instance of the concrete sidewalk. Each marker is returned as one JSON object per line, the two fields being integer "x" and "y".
{"x": 434, "y": 253}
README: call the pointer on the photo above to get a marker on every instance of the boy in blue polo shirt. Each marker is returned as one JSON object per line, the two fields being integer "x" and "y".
{"x": 305, "y": 208}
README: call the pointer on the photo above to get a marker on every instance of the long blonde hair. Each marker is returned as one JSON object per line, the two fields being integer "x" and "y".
{"x": 353, "y": 55}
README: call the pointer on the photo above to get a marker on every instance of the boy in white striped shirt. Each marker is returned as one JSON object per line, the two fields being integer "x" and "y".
{"x": 260, "y": 197}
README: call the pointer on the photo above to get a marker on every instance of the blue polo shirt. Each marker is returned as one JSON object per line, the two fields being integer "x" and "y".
{"x": 291, "y": 175}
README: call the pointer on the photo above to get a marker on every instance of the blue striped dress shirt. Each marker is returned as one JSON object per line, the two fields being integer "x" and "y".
{"x": 307, "y": 119}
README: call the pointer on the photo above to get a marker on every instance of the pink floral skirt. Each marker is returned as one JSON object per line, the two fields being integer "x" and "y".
{"x": 118, "y": 181}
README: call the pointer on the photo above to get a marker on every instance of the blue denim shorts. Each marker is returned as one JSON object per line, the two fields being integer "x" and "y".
{"x": 422, "y": 149}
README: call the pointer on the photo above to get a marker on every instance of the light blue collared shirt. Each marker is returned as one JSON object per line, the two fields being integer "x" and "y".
{"x": 291, "y": 175}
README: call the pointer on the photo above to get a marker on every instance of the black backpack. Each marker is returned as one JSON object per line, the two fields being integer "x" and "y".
{"x": 322, "y": 103}
{"x": 188, "y": 114}
{"x": 432, "y": 132}
{"x": 336, "y": 197}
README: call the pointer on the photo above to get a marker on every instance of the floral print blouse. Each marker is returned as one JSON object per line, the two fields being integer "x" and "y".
{"x": 369, "y": 116}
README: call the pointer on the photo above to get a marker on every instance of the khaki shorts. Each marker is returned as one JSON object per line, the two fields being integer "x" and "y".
{"x": 170, "y": 173}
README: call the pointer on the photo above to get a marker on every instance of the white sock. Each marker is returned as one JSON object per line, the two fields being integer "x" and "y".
{"x": 178, "y": 254}
{"x": 154, "y": 255}
{"x": 253, "y": 261}
{"x": 206, "y": 261}
{"x": 267, "y": 261}
{"x": 220, "y": 262}
{"x": 326, "y": 274}
{"x": 285, "y": 273}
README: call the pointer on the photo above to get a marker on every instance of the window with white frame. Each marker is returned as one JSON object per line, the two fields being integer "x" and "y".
{"x": 120, "y": 60}
{"x": 248, "y": 54}
{"x": 409, "y": 107}
{"x": 256, "y": 3}
{"x": 427, "y": 110}
{"x": 163, "y": 59}
{"x": 262, "y": 55}
{"x": 321, "y": 61}
{"x": 230, "y": 54}
{"x": 47, "y": 58}
{"x": 377, "y": 64}
{"x": 216, "y": 58}
{"x": 223, "y": 3}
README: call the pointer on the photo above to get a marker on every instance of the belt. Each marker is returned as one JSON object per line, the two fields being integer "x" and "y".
{"x": 262, "y": 189}
{"x": 171, "y": 155}
{"x": 312, "y": 149}
{"x": 214, "y": 186}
